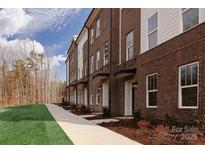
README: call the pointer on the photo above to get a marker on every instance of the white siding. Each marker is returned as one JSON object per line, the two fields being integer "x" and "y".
{"x": 82, "y": 39}
{"x": 169, "y": 24}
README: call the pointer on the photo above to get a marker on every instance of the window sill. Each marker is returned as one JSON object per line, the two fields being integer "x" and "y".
{"x": 188, "y": 107}
{"x": 151, "y": 107}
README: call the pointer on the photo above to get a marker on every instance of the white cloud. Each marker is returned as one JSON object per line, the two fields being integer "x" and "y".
{"x": 28, "y": 21}
{"x": 54, "y": 19}
{"x": 56, "y": 60}
{"x": 12, "y": 21}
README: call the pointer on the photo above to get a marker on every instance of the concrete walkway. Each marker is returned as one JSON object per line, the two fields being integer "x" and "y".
{"x": 82, "y": 131}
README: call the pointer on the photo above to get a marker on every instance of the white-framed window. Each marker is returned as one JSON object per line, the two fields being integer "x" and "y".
{"x": 188, "y": 85}
{"x": 190, "y": 17}
{"x": 153, "y": 31}
{"x": 91, "y": 97}
{"x": 82, "y": 97}
{"x": 97, "y": 59}
{"x": 97, "y": 28}
{"x": 106, "y": 54}
{"x": 85, "y": 67}
{"x": 91, "y": 36}
{"x": 151, "y": 90}
{"x": 129, "y": 45}
{"x": 91, "y": 64}
{"x": 98, "y": 93}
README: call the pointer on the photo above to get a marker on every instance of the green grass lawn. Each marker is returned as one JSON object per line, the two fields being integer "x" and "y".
{"x": 31, "y": 124}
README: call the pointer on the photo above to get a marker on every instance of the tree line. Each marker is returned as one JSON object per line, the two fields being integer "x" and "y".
{"x": 27, "y": 78}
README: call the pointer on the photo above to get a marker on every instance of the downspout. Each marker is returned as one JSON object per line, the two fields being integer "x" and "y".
{"x": 110, "y": 60}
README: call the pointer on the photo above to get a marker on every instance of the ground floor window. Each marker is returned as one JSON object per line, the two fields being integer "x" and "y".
{"x": 151, "y": 90}
{"x": 98, "y": 93}
{"x": 91, "y": 97}
{"x": 188, "y": 85}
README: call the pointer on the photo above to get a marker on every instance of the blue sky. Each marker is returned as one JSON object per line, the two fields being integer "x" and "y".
{"x": 51, "y": 28}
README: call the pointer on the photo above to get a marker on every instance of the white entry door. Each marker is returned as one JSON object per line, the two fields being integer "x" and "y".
{"x": 85, "y": 96}
{"x": 128, "y": 98}
{"x": 105, "y": 94}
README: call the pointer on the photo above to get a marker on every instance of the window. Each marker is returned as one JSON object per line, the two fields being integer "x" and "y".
{"x": 188, "y": 86}
{"x": 97, "y": 28}
{"x": 190, "y": 17}
{"x": 151, "y": 82}
{"x": 91, "y": 65}
{"x": 106, "y": 54}
{"x": 129, "y": 46}
{"x": 82, "y": 97}
{"x": 91, "y": 97}
{"x": 91, "y": 36}
{"x": 85, "y": 67}
{"x": 153, "y": 31}
{"x": 98, "y": 92}
{"x": 97, "y": 60}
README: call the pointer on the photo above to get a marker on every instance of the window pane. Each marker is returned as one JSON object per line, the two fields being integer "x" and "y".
{"x": 106, "y": 59}
{"x": 149, "y": 83}
{"x": 188, "y": 75}
{"x": 155, "y": 82}
{"x": 153, "y": 39}
{"x": 130, "y": 53}
{"x": 152, "y": 22}
{"x": 194, "y": 74}
{"x": 189, "y": 96}
{"x": 190, "y": 18}
{"x": 152, "y": 96}
{"x": 129, "y": 39}
{"x": 183, "y": 76}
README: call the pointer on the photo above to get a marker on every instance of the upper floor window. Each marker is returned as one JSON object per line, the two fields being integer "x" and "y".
{"x": 91, "y": 64}
{"x": 85, "y": 67}
{"x": 106, "y": 54}
{"x": 153, "y": 31}
{"x": 97, "y": 59}
{"x": 188, "y": 86}
{"x": 97, "y": 28}
{"x": 190, "y": 17}
{"x": 91, "y": 36}
{"x": 129, "y": 46}
{"x": 151, "y": 82}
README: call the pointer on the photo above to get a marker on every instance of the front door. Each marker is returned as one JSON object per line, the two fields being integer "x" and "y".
{"x": 128, "y": 104}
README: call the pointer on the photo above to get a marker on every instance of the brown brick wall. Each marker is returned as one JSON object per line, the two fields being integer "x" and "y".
{"x": 165, "y": 60}
{"x": 130, "y": 20}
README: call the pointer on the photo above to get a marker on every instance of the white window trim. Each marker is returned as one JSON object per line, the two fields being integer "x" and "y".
{"x": 97, "y": 28}
{"x": 97, "y": 103}
{"x": 105, "y": 54}
{"x": 91, "y": 99}
{"x": 97, "y": 60}
{"x": 189, "y": 86}
{"x": 92, "y": 64}
{"x": 91, "y": 36}
{"x": 181, "y": 19}
{"x": 132, "y": 45}
{"x": 147, "y": 91}
{"x": 154, "y": 30}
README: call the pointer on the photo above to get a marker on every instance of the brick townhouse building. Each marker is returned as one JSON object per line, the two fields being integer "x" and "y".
{"x": 146, "y": 60}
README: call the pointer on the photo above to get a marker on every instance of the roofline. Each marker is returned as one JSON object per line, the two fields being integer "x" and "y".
{"x": 84, "y": 25}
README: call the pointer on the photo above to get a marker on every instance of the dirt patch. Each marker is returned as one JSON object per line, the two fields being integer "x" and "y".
{"x": 156, "y": 134}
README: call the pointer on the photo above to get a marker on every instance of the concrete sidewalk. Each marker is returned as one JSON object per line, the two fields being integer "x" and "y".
{"x": 82, "y": 131}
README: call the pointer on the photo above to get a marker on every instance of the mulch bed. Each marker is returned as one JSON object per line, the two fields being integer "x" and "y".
{"x": 98, "y": 116}
{"x": 157, "y": 134}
